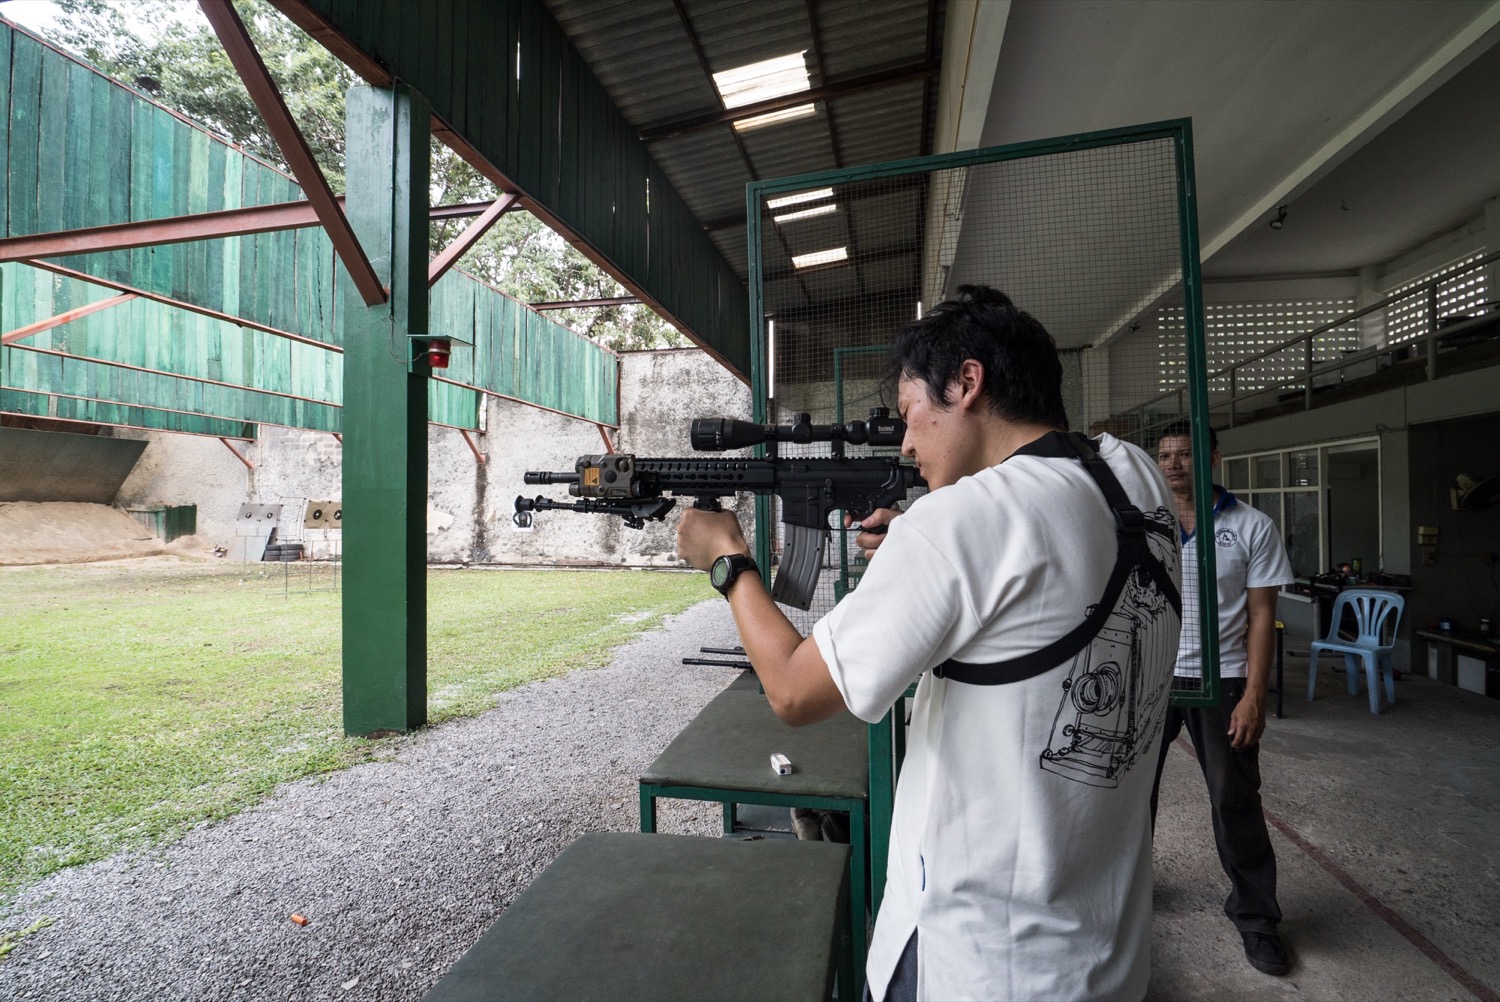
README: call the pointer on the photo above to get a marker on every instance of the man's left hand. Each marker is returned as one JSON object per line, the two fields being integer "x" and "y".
{"x": 1248, "y": 722}
{"x": 705, "y": 536}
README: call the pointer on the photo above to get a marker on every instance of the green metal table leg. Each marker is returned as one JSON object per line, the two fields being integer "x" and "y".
{"x": 728, "y": 818}
{"x": 882, "y": 802}
{"x": 648, "y": 809}
{"x": 858, "y": 861}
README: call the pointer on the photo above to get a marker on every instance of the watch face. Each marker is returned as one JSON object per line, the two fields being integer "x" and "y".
{"x": 719, "y": 573}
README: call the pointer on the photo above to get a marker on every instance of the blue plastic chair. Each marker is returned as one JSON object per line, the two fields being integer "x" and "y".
{"x": 1374, "y": 610}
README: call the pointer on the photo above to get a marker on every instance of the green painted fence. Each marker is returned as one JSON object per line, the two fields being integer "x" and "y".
{"x": 79, "y": 150}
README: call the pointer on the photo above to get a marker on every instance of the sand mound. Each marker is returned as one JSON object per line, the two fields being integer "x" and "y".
{"x": 70, "y": 532}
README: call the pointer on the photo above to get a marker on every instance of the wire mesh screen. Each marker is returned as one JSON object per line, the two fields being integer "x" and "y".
{"x": 1086, "y": 233}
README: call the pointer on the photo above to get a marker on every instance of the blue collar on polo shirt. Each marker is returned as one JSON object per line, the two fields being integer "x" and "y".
{"x": 1225, "y": 502}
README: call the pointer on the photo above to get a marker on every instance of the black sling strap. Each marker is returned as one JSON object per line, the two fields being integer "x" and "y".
{"x": 1132, "y": 553}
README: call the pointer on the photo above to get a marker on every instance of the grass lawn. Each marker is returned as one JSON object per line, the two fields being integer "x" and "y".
{"x": 141, "y": 698}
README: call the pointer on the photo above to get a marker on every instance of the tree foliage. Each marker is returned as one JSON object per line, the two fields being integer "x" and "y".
{"x": 167, "y": 49}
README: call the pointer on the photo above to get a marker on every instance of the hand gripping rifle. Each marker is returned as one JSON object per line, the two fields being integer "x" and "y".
{"x": 810, "y": 488}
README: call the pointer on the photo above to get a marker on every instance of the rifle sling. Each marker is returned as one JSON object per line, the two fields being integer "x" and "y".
{"x": 1132, "y": 554}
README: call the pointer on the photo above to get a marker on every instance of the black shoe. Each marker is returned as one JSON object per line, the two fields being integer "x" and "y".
{"x": 1265, "y": 952}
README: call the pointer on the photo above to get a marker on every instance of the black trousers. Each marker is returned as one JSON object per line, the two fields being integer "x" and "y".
{"x": 1233, "y": 779}
{"x": 903, "y": 984}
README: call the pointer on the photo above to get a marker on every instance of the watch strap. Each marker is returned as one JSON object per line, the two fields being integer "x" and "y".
{"x": 736, "y": 564}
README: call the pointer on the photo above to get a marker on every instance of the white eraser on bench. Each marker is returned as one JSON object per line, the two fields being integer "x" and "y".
{"x": 781, "y": 765}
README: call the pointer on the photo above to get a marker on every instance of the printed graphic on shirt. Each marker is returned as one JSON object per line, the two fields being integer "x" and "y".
{"x": 1227, "y": 537}
{"x": 1115, "y": 697}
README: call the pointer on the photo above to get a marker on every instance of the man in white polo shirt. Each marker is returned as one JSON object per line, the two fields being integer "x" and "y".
{"x": 1252, "y": 565}
{"x": 1035, "y": 590}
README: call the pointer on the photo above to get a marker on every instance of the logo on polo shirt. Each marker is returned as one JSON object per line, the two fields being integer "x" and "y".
{"x": 1227, "y": 537}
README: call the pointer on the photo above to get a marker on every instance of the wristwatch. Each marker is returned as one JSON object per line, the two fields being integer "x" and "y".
{"x": 727, "y": 568}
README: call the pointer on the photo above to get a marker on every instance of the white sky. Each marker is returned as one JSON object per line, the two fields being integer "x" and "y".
{"x": 38, "y": 15}
{"x": 34, "y": 14}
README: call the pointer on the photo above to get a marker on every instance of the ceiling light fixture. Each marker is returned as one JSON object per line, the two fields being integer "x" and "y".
{"x": 830, "y": 256}
{"x": 799, "y": 198}
{"x": 816, "y": 210}
{"x": 773, "y": 117}
{"x": 1280, "y": 219}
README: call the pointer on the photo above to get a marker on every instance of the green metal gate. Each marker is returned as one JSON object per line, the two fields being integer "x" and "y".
{"x": 1093, "y": 234}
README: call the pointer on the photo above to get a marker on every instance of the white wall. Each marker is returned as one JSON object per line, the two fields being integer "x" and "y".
{"x": 469, "y": 503}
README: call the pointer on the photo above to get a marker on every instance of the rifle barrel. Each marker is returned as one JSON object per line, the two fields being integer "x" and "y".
{"x": 542, "y": 477}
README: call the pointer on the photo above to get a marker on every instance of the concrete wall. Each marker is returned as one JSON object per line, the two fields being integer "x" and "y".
{"x": 469, "y": 503}
{"x": 1461, "y": 582}
{"x": 1428, "y": 433}
{"x": 190, "y": 469}
{"x": 63, "y": 466}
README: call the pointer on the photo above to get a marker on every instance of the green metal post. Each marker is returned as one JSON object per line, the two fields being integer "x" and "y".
{"x": 882, "y": 798}
{"x": 1197, "y": 367}
{"x": 385, "y": 418}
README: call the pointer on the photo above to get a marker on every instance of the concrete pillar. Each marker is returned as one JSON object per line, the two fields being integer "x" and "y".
{"x": 385, "y": 418}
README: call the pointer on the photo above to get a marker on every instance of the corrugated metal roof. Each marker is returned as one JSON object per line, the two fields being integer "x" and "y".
{"x": 647, "y": 57}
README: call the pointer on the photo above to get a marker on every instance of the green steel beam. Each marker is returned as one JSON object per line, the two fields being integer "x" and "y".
{"x": 385, "y": 418}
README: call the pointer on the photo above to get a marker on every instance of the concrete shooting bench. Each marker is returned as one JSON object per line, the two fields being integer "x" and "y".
{"x": 624, "y": 916}
{"x": 724, "y": 756}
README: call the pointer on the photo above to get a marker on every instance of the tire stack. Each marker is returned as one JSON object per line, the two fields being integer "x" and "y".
{"x": 283, "y": 552}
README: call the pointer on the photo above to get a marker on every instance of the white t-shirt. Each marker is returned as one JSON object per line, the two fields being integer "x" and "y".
{"x": 1021, "y": 841}
{"x": 1249, "y": 553}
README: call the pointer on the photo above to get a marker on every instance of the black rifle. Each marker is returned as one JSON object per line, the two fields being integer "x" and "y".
{"x": 810, "y": 488}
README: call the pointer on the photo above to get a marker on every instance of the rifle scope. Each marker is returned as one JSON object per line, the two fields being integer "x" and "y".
{"x": 720, "y": 434}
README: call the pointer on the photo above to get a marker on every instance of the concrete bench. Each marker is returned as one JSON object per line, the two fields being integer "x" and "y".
{"x": 724, "y": 756}
{"x": 623, "y": 916}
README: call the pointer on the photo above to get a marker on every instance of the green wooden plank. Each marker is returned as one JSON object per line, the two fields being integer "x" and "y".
{"x": 456, "y": 108}
{"x": 82, "y": 140}
{"x": 548, "y": 168}
{"x": 7, "y": 41}
{"x": 52, "y": 143}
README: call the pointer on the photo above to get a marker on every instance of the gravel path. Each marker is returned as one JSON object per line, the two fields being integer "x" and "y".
{"x": 399, "y": 864}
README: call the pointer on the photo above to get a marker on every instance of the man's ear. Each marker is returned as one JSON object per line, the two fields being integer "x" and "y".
{"x": 967, "y": 388}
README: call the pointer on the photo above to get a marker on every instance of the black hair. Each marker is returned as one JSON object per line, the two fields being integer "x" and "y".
{"x": 1022, "y": 373}
{"x": 1183, "y": 428}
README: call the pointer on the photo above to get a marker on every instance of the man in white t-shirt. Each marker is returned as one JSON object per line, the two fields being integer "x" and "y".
{"x": 1036, "y": 586}
{"x": 1252, "y": 565}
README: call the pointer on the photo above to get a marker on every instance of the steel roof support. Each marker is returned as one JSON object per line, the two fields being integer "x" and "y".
{"x": 471, "y": 234}
{"x": 833, "y": 144}
{"x": 565, "y": 304}
{"x": 708, "y": 73}
{"x": 267, "y": 97}
{"x": 241, "y": 222}
{"x": 479, "y": 457}
{"x": 385, "y": 419}
{"x": 68, "y": 316}
{"x": 237, "y": 453}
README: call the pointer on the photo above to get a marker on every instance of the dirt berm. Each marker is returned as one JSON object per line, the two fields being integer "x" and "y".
{"x": 70, "y": 532}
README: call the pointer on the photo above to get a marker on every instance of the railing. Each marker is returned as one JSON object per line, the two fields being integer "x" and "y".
{"x": 1301, "y": 355}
